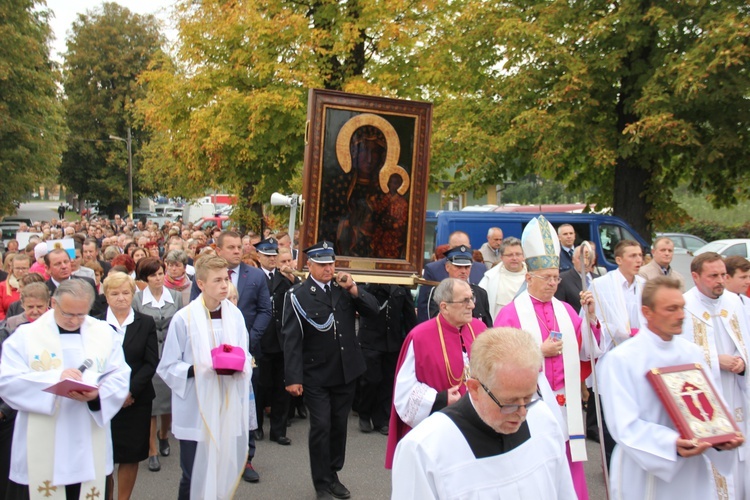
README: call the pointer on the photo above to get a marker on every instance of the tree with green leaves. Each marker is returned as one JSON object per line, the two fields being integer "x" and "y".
{"x": 32, "y": 128}
{"x": 231, "y": 111}
{"x": 626, "y": 98}
{"x": 107, "y": 50}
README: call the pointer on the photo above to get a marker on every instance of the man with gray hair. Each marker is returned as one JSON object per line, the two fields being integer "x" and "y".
{"x": 432, "y": 368}
{"x": 491, "y": 251}
{"x": 65, "y": 343}
{"x": 497, "y": 426}
{"x": 503, "y": 281}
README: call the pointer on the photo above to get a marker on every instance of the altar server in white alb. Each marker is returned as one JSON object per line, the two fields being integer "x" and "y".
{"x": 493, "y": 443}
{"x": 212, "y": 412}
{"x": 651, "y": 461}
{"x": 715, "y": 321}
{"x": 62, "y": 445}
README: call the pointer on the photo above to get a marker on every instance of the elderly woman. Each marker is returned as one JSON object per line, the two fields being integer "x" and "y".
{"x": 161, "y": 304}
{"x": 176, "y": 278}
{"x": 137, "y": 335}
{"x": 16, "y": 307}
{"x": 35, "y": 300}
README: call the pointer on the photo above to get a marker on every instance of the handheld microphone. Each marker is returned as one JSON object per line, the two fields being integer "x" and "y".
{"x": 87, "y": 363}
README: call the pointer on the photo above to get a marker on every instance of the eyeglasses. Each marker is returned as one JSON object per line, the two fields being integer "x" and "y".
{"x": 547, "y": 279}
{"x": 465, "y": 302}
{"x": 67, "y": 315}
{"x": 508, "y": 409}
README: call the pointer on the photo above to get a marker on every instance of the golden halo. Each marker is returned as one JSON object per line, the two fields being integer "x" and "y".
{"x": 387, "y": 171}
{"x": 393, "y": 146}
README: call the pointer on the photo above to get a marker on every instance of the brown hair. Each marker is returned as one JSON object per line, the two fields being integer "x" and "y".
{"x": 654, "y": 285}
{"x": 736, "y": 263}
{"x": 623, "y": 244}
{"x": 696, "y": 266}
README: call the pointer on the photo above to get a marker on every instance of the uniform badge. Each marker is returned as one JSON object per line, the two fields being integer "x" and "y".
{"x": 312, "y": 288}
{"x": 325, "y": 245}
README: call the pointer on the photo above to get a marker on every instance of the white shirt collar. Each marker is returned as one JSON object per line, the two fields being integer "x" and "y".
{"x": 623, "y": 282}
{"x": 320, "y": 283}
{"x": 116, "y": 324}
{"x": 148, "y": 298}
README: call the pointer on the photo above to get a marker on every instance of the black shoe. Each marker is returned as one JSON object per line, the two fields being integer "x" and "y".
{"x": 301, "y": 412}
{"x": 365, "y": 425}
{"x": 282, "y": 440}
{"x": 289, "y": 422}
{"x": 164, "y": 448}
{"x": 259, "y": 434}
{"x": 153, "y": 464}
{"x": 250, "y": 475}
{"x": 383, "y": 430}
{"x": 323, "y": 494}
{"x": 337, "y": 489}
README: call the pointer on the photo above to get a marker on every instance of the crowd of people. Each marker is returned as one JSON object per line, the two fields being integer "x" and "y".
{"x": 483, "y": 386}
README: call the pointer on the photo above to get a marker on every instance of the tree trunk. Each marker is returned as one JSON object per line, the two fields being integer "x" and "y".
{"x": 628, "y": 203}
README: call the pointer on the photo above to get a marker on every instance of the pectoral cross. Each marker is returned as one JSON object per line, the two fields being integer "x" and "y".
{"x": 47, "y": 489}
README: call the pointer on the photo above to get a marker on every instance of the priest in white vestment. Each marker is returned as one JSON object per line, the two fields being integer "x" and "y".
{"x": 503, "y": 281}
{"x": 62, "y": 444}
{"x": 651, "y": 461}
{"x": 714, "y": 320}
{"x": 495, "y": 442}
{"x": 738, "y": 281}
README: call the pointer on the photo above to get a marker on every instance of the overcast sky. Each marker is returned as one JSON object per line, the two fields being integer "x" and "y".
{"x": 65, "y": 12}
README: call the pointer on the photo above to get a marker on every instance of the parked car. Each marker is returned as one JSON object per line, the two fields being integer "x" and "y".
{"x": 684, "y": 243}
{"x": 18, "y": 220}
{"x": 726, "y": 248}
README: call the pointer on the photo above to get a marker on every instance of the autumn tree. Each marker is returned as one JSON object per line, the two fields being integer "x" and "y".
{"x": 106, "y": 51}
{"x": 626, "y": 98}
{"x": 231, "y": 112}
{"x": 32, "y": 128}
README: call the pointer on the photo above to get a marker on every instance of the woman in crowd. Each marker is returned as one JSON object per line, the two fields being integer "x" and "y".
{"x": 138, "y": 254}
{"x": 127, "y": 261}
{"x": 137, "y": 335}
{"x": 10, "y": 289}
{"x": 161, "y": 304}
{"x": 35, "y": 302}
{"x": 16, "y": 308}
{"x": 176, "y": 278}
{"x": 98, "y": 273}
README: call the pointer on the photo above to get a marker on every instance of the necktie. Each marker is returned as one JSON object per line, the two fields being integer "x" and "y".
{"x": 328, "y": 290}
{"x": 570, "y": 252}
{"x": 231, "y": 273}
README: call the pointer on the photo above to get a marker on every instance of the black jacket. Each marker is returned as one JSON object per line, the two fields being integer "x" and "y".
{"x": 323, "y": 358}
{"x": 386, "y": 331}
{"x": 271, "y": 341}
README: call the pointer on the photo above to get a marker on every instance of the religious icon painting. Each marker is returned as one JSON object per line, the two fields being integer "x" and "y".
{"x": 693, "y": 404}
{"x": 365, "y": 181}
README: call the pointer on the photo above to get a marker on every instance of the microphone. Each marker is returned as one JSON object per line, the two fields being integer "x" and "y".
{"x": 87, "y": 363}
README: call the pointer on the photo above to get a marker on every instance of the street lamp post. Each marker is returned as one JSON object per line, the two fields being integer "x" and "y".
{"x": 129, "y": 143}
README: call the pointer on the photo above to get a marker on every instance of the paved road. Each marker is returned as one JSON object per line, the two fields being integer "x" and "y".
{"x": 38, "y": 210}
{"x": 285, "y": 471}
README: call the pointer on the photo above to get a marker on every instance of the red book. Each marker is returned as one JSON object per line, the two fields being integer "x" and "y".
{"x": 693, "y": 404}
{"x": 63, "y": 387}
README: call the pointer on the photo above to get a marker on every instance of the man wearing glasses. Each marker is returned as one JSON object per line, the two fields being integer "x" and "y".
{"x": 494, "y": 442}
{"x": 458, "y": 266}
{"x": 556, "y": 328}
{"x": 432, "y": 368}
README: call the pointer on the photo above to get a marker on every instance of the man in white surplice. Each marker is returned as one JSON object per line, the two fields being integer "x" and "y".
{"x": 715, "y": 321}
{"x": 617, "y": 296}
{"x": 63, "y": 442}
{"x": 503, "y": 281}
{"x": 651, "y": 461}
{"x": 211, "y": 411}
{"x": 494, "y": 442}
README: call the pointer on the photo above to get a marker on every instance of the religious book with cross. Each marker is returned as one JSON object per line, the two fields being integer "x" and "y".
{"x": 696, "y": 409}
{"x": 68, "y": 385}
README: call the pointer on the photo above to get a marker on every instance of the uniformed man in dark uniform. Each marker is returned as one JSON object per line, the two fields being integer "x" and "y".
{"x": 458, "y": 265}
{"x": 271, "y": 365}
{"x": 323, "y": 359}
{"x": 381, "y": 338}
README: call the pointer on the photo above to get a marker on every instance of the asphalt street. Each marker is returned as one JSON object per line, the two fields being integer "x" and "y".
{"x": 285, "y": 470}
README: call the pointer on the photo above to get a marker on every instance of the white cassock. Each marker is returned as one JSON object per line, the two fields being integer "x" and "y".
{"x": 215, "y": 411}
{"x": 501, "y": 286}
{"x": 718, "y": 326}
{"x": 645, "y": 464}
{"x": 454, "y": 455}
{"x": 618, "y": 307}
{"x": 22, "y": 387}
